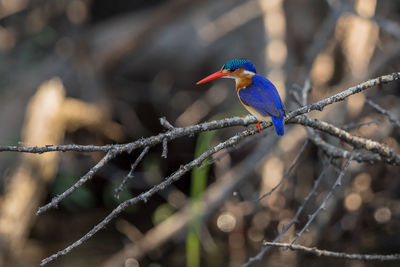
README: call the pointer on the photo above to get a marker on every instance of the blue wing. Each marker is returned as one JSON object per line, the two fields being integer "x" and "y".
{"x": 263, "y": 97}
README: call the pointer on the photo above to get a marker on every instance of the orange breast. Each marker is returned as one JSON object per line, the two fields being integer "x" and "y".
{"x": 242, "y": 79}
{"x": 242, "y": 83}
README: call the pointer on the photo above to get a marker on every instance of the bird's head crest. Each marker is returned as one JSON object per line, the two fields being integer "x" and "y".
{"x": 239, "y": 63}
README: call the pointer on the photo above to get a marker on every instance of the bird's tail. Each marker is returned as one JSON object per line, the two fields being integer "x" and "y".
{"x": 278, "y": 124}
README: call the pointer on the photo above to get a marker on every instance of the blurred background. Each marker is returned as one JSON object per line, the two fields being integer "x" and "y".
{"x": 102, "y": 72}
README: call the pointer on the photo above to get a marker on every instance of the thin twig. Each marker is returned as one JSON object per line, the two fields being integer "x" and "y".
{"x": 166, "y": 124}
{"x": 311, "y": 193}
{"x": 294, "y": 219}
{"x": 320, "y": 105}
{"x": 323, "y": 204}
{"x": 146, "y": 195}
{"x": 353, "y": 125}
{"x": 296, "y": 97}
{"x": 383, "y": 111}
{"x": 130, "y": 174}
{"x": 89, "y": 175}
{"x": 326, "y": 253}
{"x": 164, "y": 153}
{"x": 306, "y": 91}
{"x": 234, "y": 148}
{"x": 262, "y": 252}
{"x": 287, "y": 173}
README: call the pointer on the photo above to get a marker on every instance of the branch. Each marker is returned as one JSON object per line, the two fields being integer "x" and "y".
{"x": 285, "y": 228}
{"x": 89, "y": 175}
{"x": 130, "y": 174}
{"x": 61, "y": 148}
{"x": 166, "y": 124}
{"x": 354, "y": 125}
{"x": 289, "y": 170}
{"x": 337, "y": 152}
{"x": 174, "y": 133}
{"x": 320, "y": 105}
{"x": 143, "y": 142}
{"x": 264, "y": 250}
{"x": 234, "y": 148}
{"x": 326, "y": 253}
{"x": 151, "y": 141}
{"x": 323, "y": 204}
{"x": 207, "y": 126}
{"x": 386, "y": 152}
{"x": 164, "y": 153}
{"x": 215, "y": 194}
{"x": 383, "y": 111}
{"x": 146, "y": 195}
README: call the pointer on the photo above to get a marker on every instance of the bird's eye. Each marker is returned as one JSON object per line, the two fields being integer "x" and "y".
{"x": 231, "y": 70}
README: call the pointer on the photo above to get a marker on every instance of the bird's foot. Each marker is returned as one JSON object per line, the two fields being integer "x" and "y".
{"x": 258, "y": 126}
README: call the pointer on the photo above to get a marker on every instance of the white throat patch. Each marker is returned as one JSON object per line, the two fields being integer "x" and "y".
{"x": 249, "y": 72}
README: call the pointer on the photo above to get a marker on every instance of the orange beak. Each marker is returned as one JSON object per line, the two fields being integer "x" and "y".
{"x": 213, "y": 76}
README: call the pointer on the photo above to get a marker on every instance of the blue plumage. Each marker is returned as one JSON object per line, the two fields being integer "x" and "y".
{"x": 239, "y": 63}
{"x": 278, "y": 124}
{"x": 262, "y": 96}
{"x": 258, "y": 95}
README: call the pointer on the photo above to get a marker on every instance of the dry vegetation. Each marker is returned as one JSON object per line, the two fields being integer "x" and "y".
{"x": 159, "y": 172}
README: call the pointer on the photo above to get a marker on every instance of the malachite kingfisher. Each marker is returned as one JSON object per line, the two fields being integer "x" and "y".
{"x": 256, "y": 93}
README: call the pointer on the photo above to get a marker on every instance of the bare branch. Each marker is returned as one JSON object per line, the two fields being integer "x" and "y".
{"x": 312, "y": 192}
{"x": 383, "y": 111}
{"x": 326, "y": 253}
{"x": 385, "y": 153}
{"x": 146, "y": 195}
{"x": 178, "y": 132}
{"x": 323, "y": 204}
{"x": 164, "y": 153}
{"x": 264, "y": 250}
{"x": 320, "y": 105}
{"x": 208, "y": 126}
{"x": 305, "y": 91}
{"x": 337, "y": 152}
{"x": 61, "y": 148}
{"x": 234, "y": 148}
{"x": 389, "y": 155}
{"x": 130, "y": 174}
{"x": 353, "y": 125}
{"x": 289, "y": 170}
{"x": 358, "y": 142}
{"x": 141, "y": 143}
{"x": 89, "y": 175}
{"x": 166, "y": 124}
{"x": 285, "y": 228}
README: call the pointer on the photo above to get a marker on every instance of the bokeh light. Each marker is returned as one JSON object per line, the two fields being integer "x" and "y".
{"x": 382, "y": 215}
{"x": 226, "y": 221}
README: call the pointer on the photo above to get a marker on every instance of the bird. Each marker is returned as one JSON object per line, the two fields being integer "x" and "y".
{"x": 256, "y": 93}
